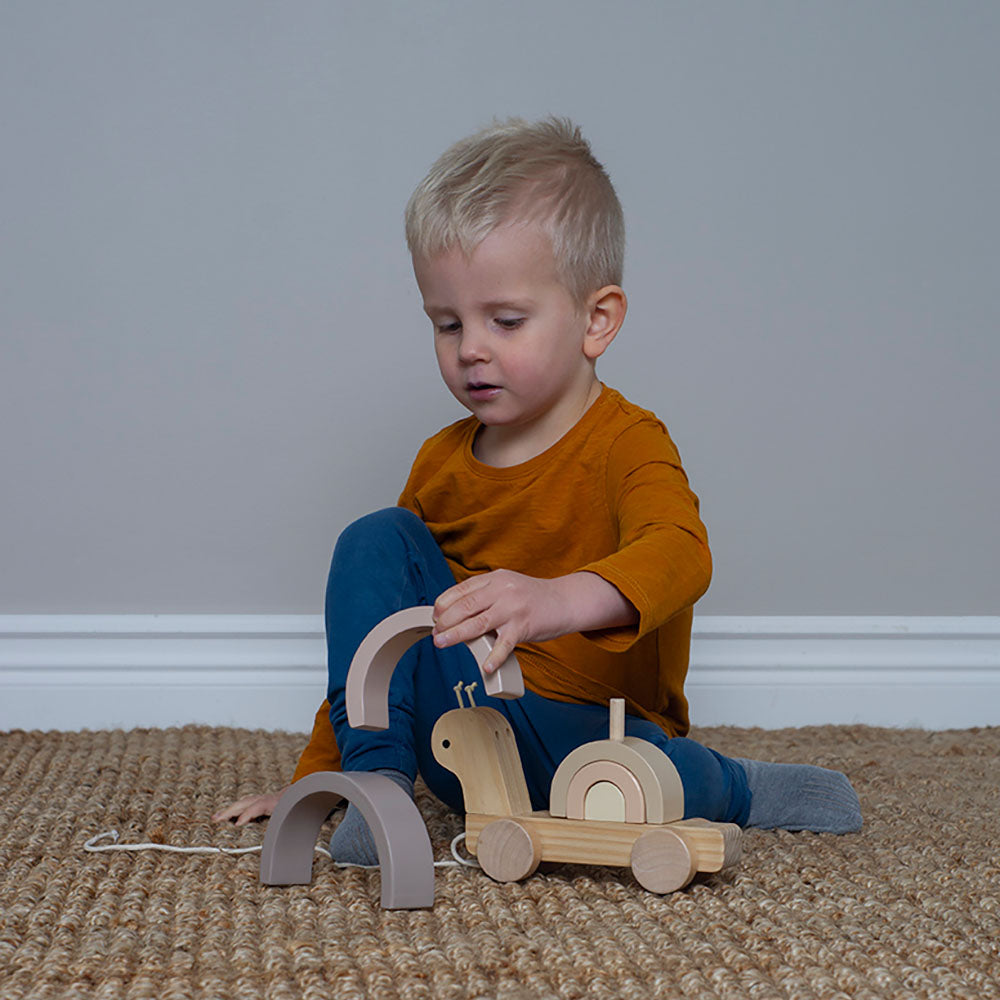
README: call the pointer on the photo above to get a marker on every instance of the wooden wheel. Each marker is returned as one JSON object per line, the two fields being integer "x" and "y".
{"x": 662, "y": 862}
{"x": 508, "y": 851}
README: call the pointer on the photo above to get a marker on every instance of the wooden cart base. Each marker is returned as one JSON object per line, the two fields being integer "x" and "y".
{"x": 663, "y": 857}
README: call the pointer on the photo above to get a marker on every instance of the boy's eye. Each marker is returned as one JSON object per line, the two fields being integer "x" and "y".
{"x": 449, "y": 327}
{"x": 509, "y": 323}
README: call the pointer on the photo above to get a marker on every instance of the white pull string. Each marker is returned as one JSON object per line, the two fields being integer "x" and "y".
{"x": 468, "y": 862}
{"x": 94, "y": 846}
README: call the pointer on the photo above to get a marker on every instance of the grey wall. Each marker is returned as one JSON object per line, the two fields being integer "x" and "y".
{"x": 213, "y": 355}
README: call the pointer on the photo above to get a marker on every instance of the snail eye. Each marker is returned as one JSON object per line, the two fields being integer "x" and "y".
{"x": 446, "y": 744}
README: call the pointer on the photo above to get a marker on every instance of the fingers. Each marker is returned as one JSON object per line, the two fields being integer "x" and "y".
{"x": 233, "y": 810}
{"x": 249, "y": 815}
{"x": 462, "y": 613}
{"x": 502, "y": 648}
{"x": 465, "y": 590}
{"x": 499, "y": 602}
{"x": 247, "y": 809}
{"x": 466, "y": 631}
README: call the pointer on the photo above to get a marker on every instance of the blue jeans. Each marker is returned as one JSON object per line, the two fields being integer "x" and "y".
{"x": 388, "y": 561}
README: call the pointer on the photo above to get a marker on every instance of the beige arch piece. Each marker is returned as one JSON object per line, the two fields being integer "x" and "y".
{"x": 367, "y": 691}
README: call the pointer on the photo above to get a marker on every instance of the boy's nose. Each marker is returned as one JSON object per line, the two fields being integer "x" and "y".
{"x": 473, "y": 346}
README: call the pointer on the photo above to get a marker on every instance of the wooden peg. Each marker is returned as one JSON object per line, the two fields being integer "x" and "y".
{"x": 617, "y": 726}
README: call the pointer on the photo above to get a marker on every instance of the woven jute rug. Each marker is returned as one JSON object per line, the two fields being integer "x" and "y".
{"x": 910, "y": 907}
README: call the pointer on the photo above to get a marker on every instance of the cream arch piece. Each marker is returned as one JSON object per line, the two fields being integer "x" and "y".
{"x": 367, "y": 691}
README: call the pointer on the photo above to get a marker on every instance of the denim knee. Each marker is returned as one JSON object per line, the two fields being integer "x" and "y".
{"x": 714, "y": 786}
{"x": 381, "y": 536}
{"x": 385, "y": 561}
{"x": 379, "y": 526}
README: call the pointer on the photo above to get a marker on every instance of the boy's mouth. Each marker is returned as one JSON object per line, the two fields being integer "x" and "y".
{"x": 481, "y": 390}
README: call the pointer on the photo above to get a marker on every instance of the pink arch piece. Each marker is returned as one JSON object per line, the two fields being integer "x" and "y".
{"x": 367, "y": 691}
{"x": 404, "y": 848}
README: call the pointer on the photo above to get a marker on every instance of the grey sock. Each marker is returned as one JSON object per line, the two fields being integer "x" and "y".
{"x": 801, "y": 797}
{"x": 352, "y": 842}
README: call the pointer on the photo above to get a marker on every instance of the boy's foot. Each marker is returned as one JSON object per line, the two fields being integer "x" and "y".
{"x": 352, "y": 842}
{"x": 800, "y": 797}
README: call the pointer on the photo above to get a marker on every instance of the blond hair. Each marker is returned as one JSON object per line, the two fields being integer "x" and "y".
{"x": 518, "y": 171}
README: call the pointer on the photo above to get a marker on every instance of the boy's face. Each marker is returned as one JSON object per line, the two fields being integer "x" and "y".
{"x": 510, "y": 339}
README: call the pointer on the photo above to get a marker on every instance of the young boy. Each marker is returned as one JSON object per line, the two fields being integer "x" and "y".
{"x": 560, "y": 508}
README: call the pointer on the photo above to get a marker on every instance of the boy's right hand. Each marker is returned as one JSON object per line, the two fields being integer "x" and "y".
{"x": 249, "y": 808}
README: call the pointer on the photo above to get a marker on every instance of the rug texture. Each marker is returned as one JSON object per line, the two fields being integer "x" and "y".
{"x": 910, "y": 907}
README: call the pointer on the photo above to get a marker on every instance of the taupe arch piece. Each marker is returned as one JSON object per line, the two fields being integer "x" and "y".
{"x": 367, "y": 691}
{"x": 404, "y": 848}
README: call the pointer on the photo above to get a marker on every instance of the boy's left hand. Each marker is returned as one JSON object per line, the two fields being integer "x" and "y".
{"x": 523, "y": 608}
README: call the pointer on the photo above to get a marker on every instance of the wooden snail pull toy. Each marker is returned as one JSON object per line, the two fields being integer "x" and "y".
{"x": 616, "y": 802}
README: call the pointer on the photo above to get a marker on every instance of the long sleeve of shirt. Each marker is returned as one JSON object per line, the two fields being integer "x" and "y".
{"x": 662, "y": 563}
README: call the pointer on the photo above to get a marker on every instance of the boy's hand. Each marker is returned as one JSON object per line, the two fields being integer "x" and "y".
{"x": 523, "y": 608}
{"x": 248, "y": 808}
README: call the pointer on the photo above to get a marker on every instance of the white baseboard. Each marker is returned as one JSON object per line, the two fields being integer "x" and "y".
{"x": 926, "y": 672}
{"x": 71, "y": 672}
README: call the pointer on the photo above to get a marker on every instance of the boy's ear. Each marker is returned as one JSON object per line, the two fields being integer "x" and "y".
{"x": 606, "y": 309}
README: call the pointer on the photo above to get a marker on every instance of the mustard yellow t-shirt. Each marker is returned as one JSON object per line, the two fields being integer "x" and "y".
{"x": 611, "y": 498}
